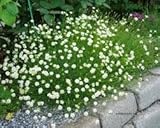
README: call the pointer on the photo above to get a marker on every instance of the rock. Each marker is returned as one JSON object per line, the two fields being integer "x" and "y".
{"x": 149, "y": 118}
{"x": 116, "y": 113}
{"x": 149, "y": 92}
{"x": 84, "y": 122}
{"x": 155, "y": 71}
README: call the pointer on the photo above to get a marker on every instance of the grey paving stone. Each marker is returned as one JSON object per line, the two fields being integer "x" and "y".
{"x": 84, "y": 122}
{"x": 129, "y": 126}
{"x": 148, "y": 92}
{"x": 116, "y": 113}
{"x": 155, "y": 71}
{"x": 149, "y": 118}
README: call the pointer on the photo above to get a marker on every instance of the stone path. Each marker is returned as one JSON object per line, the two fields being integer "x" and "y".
{"x": 140, "y": 108}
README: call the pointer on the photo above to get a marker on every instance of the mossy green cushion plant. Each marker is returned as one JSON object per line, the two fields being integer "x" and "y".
{"x": 73, "y": 64}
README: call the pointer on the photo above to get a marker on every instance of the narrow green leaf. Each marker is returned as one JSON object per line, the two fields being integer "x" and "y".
{"x": 106, "y": 5}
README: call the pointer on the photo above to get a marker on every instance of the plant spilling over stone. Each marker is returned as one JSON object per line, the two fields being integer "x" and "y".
{"x": 78, "y": 61}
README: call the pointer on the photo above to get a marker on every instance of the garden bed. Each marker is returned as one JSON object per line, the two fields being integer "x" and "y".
{"x": 69, "y": 66}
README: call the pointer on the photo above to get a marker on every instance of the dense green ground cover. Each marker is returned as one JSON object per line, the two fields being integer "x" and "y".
{"x": 79, "y": 60}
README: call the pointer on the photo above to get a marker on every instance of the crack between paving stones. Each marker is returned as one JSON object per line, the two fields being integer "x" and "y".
{"x": 155, "y": 102}
{"x": 99, "y": 118}
{"x": 133, "y": 125}
{"x": 130, "y": 120}
{"x": 136, "y": 98}
{"x": 137, "y": 104}
{"x": 100, "y": 121}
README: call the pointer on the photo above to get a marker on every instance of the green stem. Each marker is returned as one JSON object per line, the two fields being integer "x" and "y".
{"x": 30, "y": 10}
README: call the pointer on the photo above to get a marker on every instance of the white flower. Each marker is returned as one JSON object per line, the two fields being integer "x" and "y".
{"x": 40, "y": 90}
{"x": 27, "y": 112}
{"x": 77, "y": 81}
{"x": 58, "y": 76}
{"x": 60, "y": 107}
{"x": 49, "y": 114}
{"x": 47, "y": 85}
{"x": 68, "y": 81}
{"x": 72, "y": 115}
{"x": 85, "y": 113}
{"x": 73, "y": 66}
{"x": 76, "y": 90}
{"x": 86, "y": 80}
{"x": 93, "y": 70}
{"x": 66, "y": 115}
{"x": 86, "y": 99}
{"x": 105, "y": 75}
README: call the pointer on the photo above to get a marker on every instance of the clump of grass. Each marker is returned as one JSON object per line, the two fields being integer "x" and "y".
{"x": 73, "y": 64}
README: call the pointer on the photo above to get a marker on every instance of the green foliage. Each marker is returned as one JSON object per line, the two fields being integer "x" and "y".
{"x": 48, "y": 10}
{"x": 8, "y": 11}
{"x": 123, "y": 6}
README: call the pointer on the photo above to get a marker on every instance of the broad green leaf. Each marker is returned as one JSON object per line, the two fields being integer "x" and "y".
{"x": 85, "y": 3}
{"x": 58, "y": 3}
{"x": 4, "y": 2}
{"x": 8, "y": 18}
{"x": 12, "y": 8}
{"x": 49, "y": 19}
{"x": 46, "y": 5}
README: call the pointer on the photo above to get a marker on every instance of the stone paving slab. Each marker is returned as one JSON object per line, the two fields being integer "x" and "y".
{"x": 155, "y": 71}
{"x": 129, "y": 126}
{"x": 84, "y": 122}
{"x": 149, "y": 118}
{"x": 148, "y": 92}
{"x": 116, "y": 113}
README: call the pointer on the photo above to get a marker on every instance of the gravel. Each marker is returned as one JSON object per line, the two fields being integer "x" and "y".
{"x": 38, "y": 118}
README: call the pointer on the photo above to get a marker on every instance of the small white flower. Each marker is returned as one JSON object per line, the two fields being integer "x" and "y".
{"x": 27, "y": 112}
{"x": 72, "y": 115}
{"x": 86, "y": 99}
{"x": 85, "y": 113}
{"x": 40, "y": 90}
{"x": 66, "y": 115}
{"x": 93, "y": 70}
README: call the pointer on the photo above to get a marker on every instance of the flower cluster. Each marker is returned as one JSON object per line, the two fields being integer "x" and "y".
{"x": 71, "y": 65}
